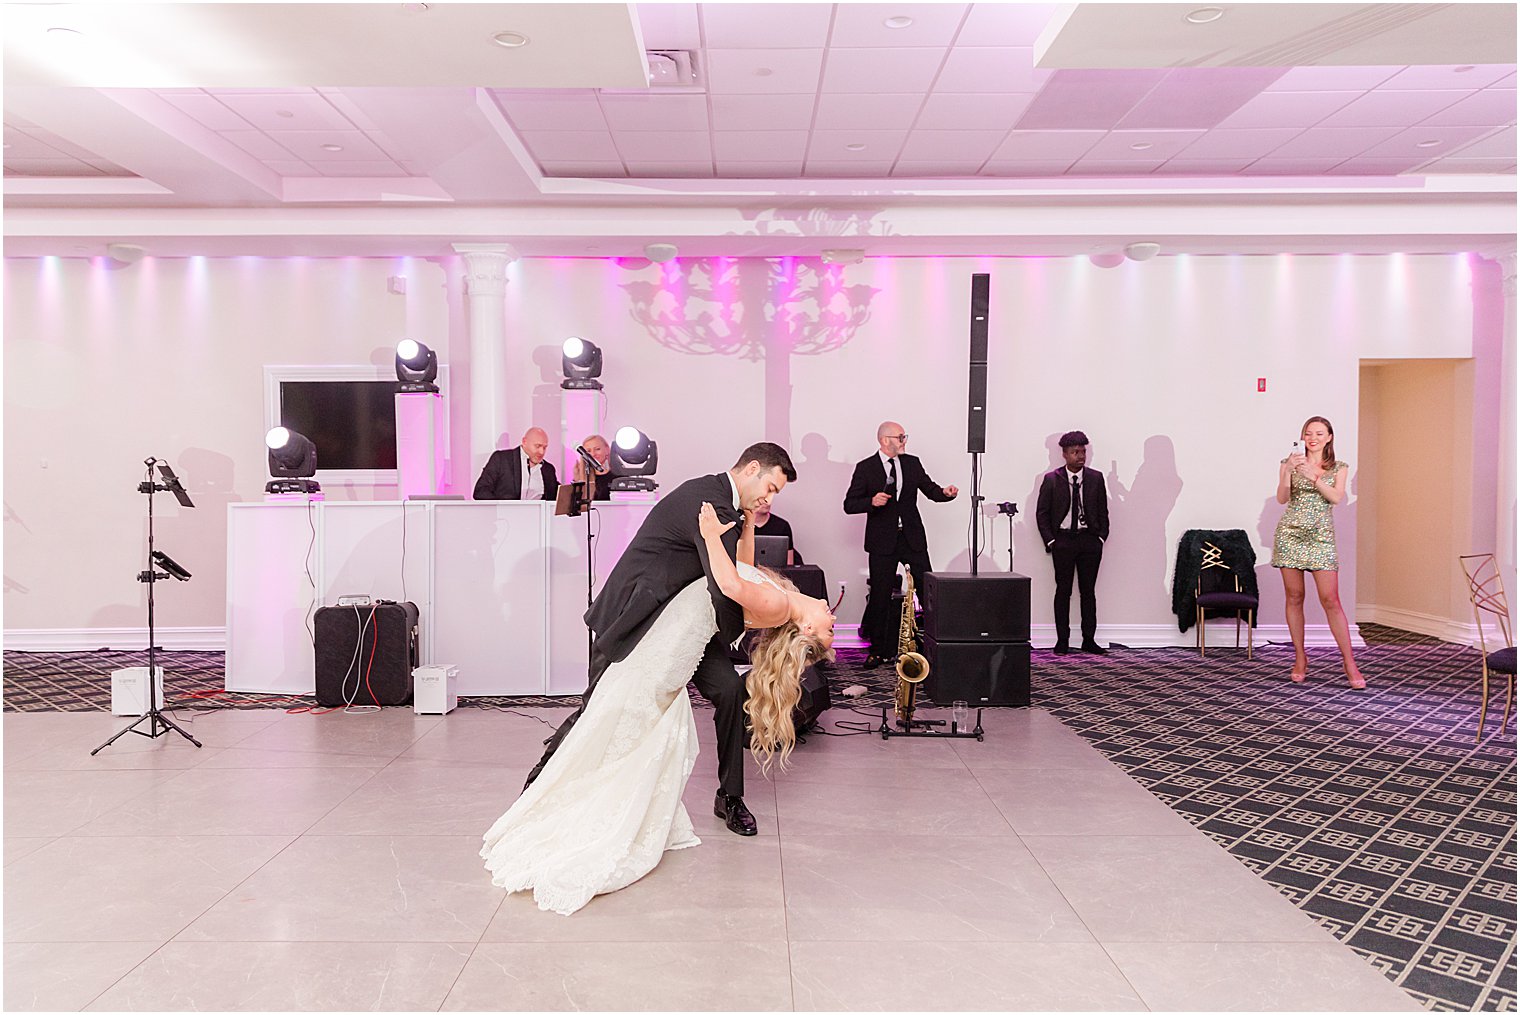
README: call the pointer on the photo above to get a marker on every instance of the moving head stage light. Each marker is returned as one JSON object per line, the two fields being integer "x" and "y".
{"x": 292, "y": 460}
{"x": 416, "y": 367}
{"x": 634, "y": 458}
{"x": 582, "y": 363}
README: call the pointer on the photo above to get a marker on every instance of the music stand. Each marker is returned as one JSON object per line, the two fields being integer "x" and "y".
{"x": 158, "y": 723}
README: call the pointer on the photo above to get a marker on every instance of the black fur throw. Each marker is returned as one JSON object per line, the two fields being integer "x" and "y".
{"x": 1239, "y": 554}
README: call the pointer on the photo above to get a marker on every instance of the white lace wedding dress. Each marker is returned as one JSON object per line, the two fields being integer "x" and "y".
{"x": 608, "y": 803}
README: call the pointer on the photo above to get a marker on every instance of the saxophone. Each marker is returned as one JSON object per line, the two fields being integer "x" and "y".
{"x": 912, "y": 667}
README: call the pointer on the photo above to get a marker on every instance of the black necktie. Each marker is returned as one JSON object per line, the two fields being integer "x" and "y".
{"x": 892, "y": 476}
{"x": 1076, "y": 502}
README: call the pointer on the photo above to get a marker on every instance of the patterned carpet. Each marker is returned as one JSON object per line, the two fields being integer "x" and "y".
{"x": 1374, "y": 811}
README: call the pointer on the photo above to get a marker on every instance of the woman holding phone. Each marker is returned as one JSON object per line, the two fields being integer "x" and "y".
{"x": 1310, "y": 481}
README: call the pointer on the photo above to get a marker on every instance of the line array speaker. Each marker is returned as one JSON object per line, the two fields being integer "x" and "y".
{"x": 976, "y": 413}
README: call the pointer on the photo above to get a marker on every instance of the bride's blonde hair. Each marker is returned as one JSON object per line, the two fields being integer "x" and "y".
{"x": 774, "y": 684}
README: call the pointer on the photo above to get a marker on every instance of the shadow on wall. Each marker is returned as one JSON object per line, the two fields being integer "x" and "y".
{"x": 1268, "y": 580}
{"x": 757, "y": 309}
{"x": 12, "y": 586}
{"x": 546, "y": 405}
{"x": 1137, "y": 552}
{"x": 828, "y": 537}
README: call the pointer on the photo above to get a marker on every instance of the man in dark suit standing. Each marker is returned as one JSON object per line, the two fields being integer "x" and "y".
{"x": 1072, "y": 514}
{"x": 521, "y": 473}
{"x": 885, "y": 489}
{"x": 667, "y": 554}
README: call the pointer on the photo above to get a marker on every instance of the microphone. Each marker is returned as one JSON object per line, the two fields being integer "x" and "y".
{"x": 590, "y": 462}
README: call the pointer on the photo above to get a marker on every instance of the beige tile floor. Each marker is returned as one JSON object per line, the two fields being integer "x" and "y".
{"x": 324, "y": 863}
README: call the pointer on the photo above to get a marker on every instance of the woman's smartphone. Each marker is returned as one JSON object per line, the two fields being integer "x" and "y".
{"x": 1297, "y": 450}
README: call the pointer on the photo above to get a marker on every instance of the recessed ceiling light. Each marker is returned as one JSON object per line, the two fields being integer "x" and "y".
{"x": 1140, "y": 146}
{"x": 1203, "y": 15}
{"x": 284, "y": 114}
{"x": 1426, "y": 144}
{"x": 1464, "y": 69}
{"x": 899, "y": 21}
{"x": 854, "y": 146}
{"x": 330, "y": 147}
{"x": 763, "y": 72}
{"x": 511, "y": 40}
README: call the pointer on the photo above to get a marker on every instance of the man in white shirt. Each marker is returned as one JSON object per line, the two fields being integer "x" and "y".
{"x": 520, "y": 473}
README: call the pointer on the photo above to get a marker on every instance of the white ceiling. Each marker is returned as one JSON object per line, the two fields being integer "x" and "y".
{"x": 240, "y": 117}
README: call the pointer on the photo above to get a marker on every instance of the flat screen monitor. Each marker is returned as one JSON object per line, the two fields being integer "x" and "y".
{"x": 352, "y": 423}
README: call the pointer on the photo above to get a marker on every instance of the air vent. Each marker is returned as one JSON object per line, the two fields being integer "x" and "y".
{"x": 671, "y": 68}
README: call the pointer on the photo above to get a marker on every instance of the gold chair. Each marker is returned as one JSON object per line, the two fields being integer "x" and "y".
{"x": 1213, "y": 592}
{"x": 1485, "y": 589}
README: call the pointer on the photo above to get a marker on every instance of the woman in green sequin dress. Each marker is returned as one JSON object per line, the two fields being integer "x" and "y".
{"x": 1310, "y": 483}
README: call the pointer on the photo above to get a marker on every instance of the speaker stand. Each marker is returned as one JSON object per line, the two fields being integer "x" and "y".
{"x": 976, "y": 509}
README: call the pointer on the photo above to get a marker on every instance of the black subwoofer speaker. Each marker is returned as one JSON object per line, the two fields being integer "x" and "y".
{"x": 989, "y": 607}
{"x": 366, "y": 654}
{"x": 814, "y": 702}
{"x": 979, "y": 673}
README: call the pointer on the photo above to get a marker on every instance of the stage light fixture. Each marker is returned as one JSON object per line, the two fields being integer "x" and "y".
{"x": 582, "y": 363}
{"x": 292, "y": 461}
{"x": 634, "y": 459}
{"x": 416, "y": 367}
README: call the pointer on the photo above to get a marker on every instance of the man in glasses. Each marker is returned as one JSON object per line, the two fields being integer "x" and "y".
{"x": 885, "y": 489}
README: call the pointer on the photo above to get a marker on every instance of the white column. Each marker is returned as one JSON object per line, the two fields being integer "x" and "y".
{"x": 485, "y": 290}
{"x": 1505, "y": 548}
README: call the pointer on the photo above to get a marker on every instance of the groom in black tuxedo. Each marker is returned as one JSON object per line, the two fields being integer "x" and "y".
{"x": 667, "y": 554}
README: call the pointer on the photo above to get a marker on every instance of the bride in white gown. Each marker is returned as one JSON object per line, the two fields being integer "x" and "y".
{"x": 608, "y": 803}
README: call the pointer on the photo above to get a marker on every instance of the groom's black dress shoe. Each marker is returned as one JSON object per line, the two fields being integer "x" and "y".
{"x": 734, "y": 814}
{"x": 873, "y": 660}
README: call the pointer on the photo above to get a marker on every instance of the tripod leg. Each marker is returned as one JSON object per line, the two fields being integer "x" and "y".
{"x": 169, "y": 724}
{"x": 121, "y": 733}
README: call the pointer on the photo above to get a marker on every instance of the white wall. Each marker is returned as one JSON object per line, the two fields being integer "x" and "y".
{"x": 1156, "y": 361}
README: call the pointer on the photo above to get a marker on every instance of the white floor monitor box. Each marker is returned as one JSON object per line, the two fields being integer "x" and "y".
{"x": 129, "y": 690}
{"x": 435, "y": 689}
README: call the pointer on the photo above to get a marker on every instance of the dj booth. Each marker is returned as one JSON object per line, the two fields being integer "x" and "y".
{"x": 500, "y": 586}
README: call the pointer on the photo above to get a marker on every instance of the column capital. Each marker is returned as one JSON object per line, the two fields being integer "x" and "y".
{"x": 1506, "y": 262}
{"x": 486, "y": 267}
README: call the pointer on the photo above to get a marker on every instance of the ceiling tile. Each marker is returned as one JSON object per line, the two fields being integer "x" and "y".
{"x": 669, "y": 111}
{"x": 1291, "y": 167}
{"x": 1507, "y": 81}
{"x": 765, "y": 26}
{"x": 663, "y": 146}
{"x": 1449, "y": 76}
{"x": 1163, "y": 144}
{"x": 1132, "y": 167}
{"x": 759, "y": 145}
{"x": 1386, "y": 108}
{"x": 1203, "y": 167}
{"x": 952, "y": 145}
{"x": 207, "y": 110}
{"x": 1324, "y": 142}
{"x": 829, "y": 145}
{"x": 290, "y": 167}
{"x": 1459, "y": 164}
{"x": 762, "y": 112}
{"x": 669, "y": 26}
{"x": 350, "y": 109}
{"x": 391, "y": 149}
{"x": 760, "y": 170}
{"x": 938, "y": 168}
{"x": 1047, "y": 145}
{"x": 21, "y": 145}
{"x": 984, "y": 70}
{"x": 1024, "y": 168}
{"x": 858, "y": 25}
{"x": 973, "y": 112}
{"x": 571, "y": 146}
{"x": 1006, "y": 24}
{"x": 293, "y": 109}
{"x": 1244, "y": 144}
{"x": 1496, "y": 146}
{"x": 1374, "y": 167}
{"x": 49, "y": 167}
{"x": 551, "y": 110}
{"x": 1199, "y": 96}
{"x": 307, "y": 145}
{"x": 1088, "y": 98}
{"x": 1405, "y": 143}
{"x": 848, "y": 170}
{"x": 364, "y": 169}
{"x": 881, "y": 70}
{"x": 671, "y": 170}
{"x": 1332, "y": 79}
{"x": 763, "y": 71}
{"x": 258, "y": 144}
{"x": 1288, "y": 109}
{"x": 586, "y": 169}
{"x": 1492, "y": 107}
{"x": 882, "y": 111}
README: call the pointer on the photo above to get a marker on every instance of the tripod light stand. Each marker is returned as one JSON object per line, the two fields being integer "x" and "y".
{"x": 158, "y": 723}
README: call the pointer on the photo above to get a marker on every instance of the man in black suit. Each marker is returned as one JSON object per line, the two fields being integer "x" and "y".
{"x": 1072, "y": 514}
{"x": 521, "y": 473}
{"x": 667, "y": 554}
{"x": 885, "y": 489}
